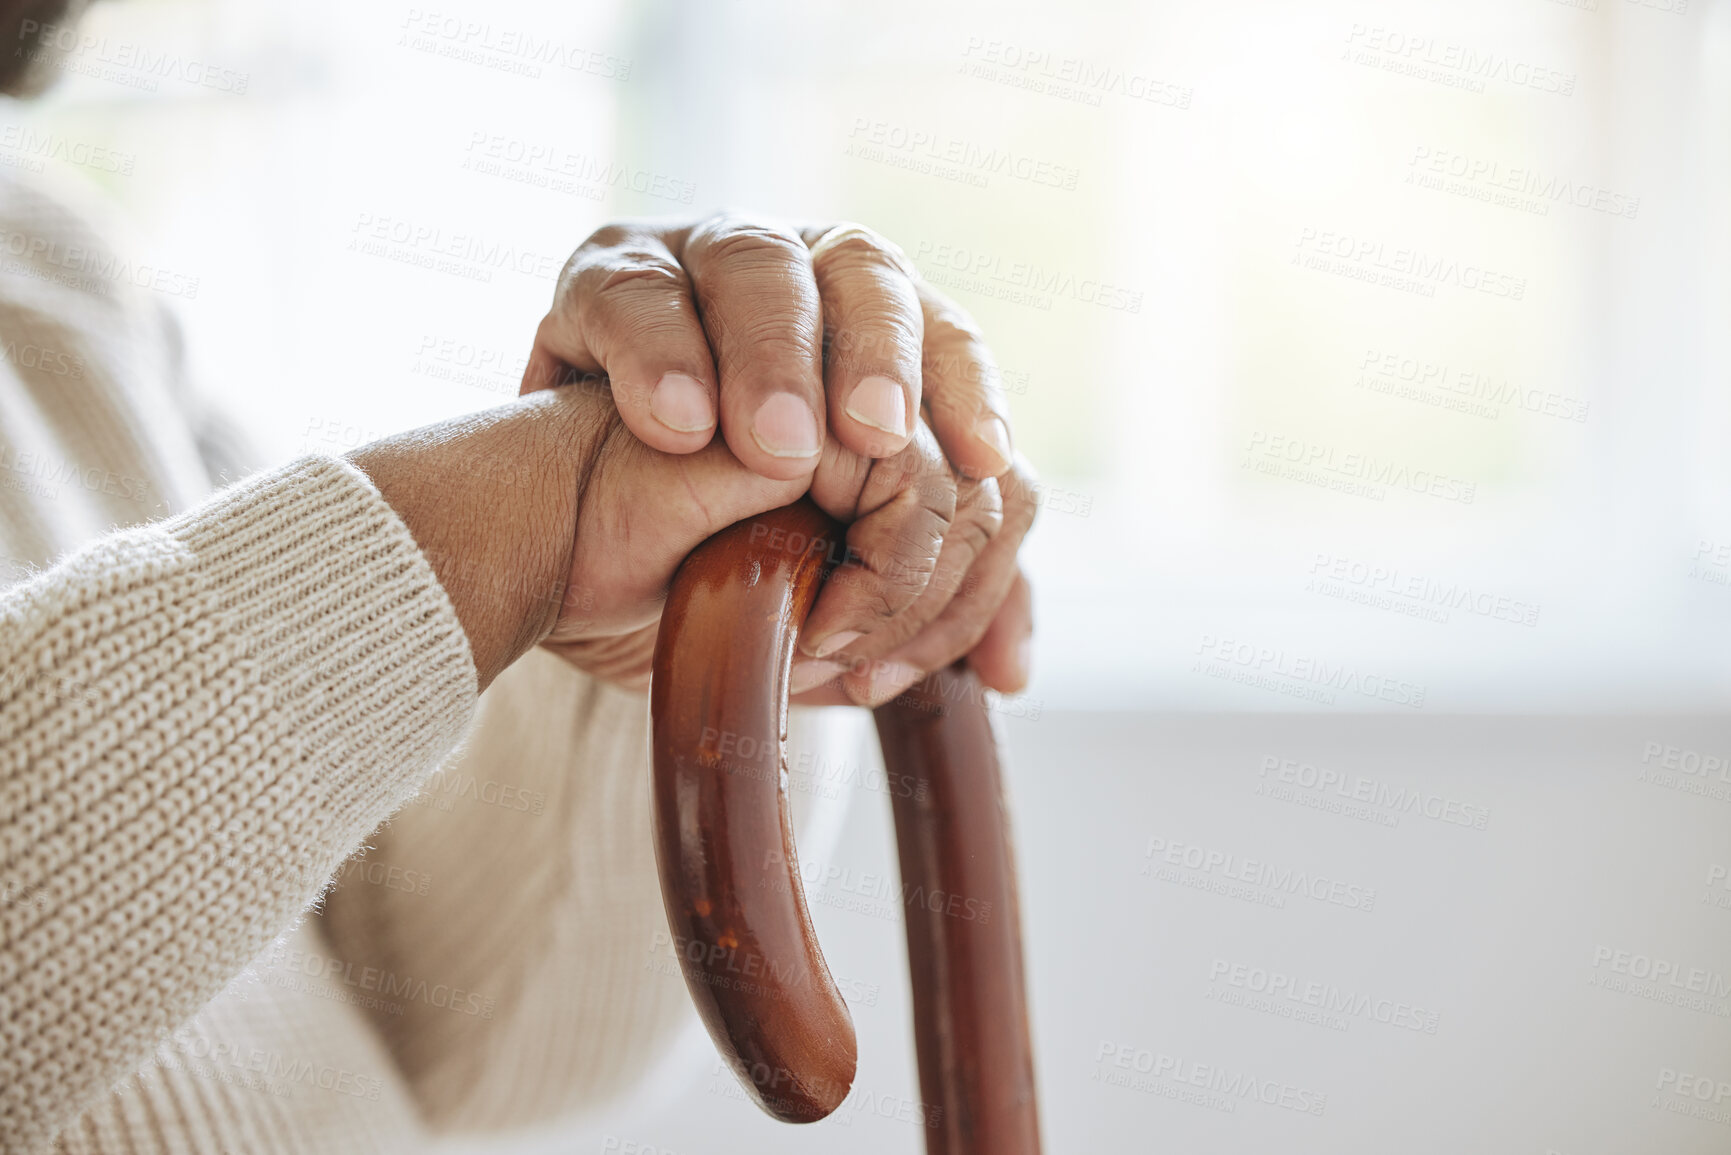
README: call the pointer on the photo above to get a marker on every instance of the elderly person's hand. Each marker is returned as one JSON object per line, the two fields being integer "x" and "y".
{"x": 830, "y": 350}
{"x": 548, "y": 522}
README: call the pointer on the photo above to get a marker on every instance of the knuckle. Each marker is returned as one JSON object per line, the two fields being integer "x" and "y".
{"x": 1021, "y": 500}
{"x": 636, "y": 267}
{"x": 905, "y": 580}
{"x": 982, "y": 512}
{"x": 606, "y": 237}
{"x": 948, "y": 323}
{"x": 736, "y": 239}
{"x": 612, "y": 285}
{"x": 913, "y": 484}
{"x": 935, "y": 491}
{"x": 863, "y": 256}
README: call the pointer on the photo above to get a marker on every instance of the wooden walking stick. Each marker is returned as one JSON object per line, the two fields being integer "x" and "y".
{"x": 730, "y": 877}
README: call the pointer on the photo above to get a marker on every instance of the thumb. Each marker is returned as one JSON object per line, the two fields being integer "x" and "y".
{"x": 641, "y": 511}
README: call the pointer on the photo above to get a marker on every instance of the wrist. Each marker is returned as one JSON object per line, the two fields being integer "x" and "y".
{"x": 491, "y": 500}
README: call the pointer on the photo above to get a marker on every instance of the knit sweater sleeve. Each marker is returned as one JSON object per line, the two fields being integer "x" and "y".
{"x": 200, "y": 719}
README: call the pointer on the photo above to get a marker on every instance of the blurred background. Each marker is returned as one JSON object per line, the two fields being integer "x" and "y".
{"x": 1375, "y": 359}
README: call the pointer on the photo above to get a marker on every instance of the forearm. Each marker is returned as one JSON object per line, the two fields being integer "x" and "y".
{"x": 199, "y": 720}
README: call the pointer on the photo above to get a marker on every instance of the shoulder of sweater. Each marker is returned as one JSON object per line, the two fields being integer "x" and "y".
{"x": 58, "y": 253}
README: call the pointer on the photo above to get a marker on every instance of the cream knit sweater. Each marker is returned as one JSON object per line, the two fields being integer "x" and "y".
{"x": 203, "y": 719}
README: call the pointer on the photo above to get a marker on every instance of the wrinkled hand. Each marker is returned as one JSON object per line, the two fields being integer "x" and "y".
{"x": 770, "y": 327}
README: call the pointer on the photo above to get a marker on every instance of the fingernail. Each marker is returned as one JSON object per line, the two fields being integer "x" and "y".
{"x": 1024, "y": 660}
{"x": 992, "y": 430}
{"x": 785, "y": 426}
{"x": 681, "y": 402}
{"x": 835, "y": 642}
{"x": 881, "y": 404}
{"x": 888, "y": 680}
{"x": 809, "y": 675}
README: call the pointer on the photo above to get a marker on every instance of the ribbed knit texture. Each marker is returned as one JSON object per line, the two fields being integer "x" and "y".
{"x": 201, "y": 719}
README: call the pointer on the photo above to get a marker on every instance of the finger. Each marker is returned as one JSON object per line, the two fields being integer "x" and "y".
{"x": 965, "y": 620}
{"x": 760, "y": 309}
{"x": 624, "y": 307}
{"x": 873, "y": 329}
{"x": 979, "y": 517}
{"x": 816, "y": 682}
{"x": 1002, "y": 657}
{"x": 964, "y": 396}
{"x": 898, "y": 525}
{"x": 869, "y": 678}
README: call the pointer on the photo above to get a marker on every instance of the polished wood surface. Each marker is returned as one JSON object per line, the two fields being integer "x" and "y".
{"x": 723, "y": 839}
{"x": 964, "y": 923}
{"x": 729, "y": 874}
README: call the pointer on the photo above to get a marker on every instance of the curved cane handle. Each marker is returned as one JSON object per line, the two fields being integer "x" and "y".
{"x": 723, "y": 839}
